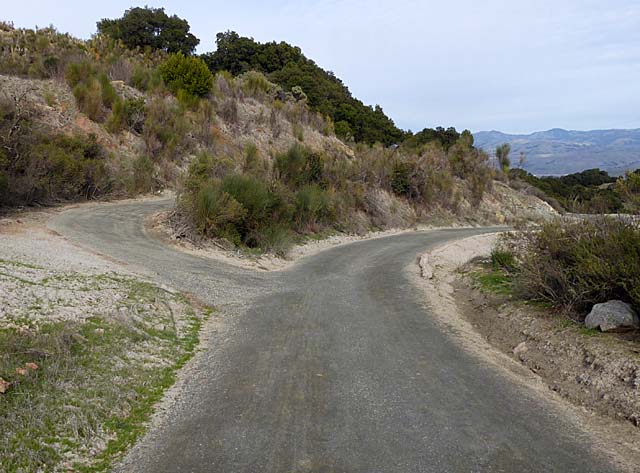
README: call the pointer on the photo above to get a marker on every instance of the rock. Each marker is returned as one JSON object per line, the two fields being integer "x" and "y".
{"x": 521, "y": 348}
{"x": 612, "y": 316}
{"x": 425, "y": 267}
{"x": 4, "y": 386}
{"x": 31, "y": 366}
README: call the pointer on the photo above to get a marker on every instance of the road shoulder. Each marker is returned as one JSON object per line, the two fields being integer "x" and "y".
{"x": 88, "y": 349}
{"x": 495, "y": 333}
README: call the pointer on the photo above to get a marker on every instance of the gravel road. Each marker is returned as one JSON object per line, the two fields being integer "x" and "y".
{"x": 334, "y": 365}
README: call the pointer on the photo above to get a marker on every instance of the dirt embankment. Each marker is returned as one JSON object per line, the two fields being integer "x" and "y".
{"x": 598, "y": 373}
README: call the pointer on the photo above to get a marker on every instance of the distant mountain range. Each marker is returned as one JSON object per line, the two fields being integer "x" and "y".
{"x": 558, "y": 151}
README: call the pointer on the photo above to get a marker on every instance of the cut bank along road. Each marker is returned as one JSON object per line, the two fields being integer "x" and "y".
{"x": 334, "y": 365}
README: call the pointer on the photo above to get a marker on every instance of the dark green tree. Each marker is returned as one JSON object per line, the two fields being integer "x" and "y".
{"x": 152, "y": 28}
{"x": 287, "y": 66}
{"x": 445, "y": 137}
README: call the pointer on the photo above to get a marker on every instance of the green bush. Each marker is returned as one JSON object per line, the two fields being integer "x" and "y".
{"x": 299, "y": 166}
{"x": 298, "y": 131}
{"x": 255, "y": 196}
{"x": 576, "y": 265}
{"x": 314, "y": 205}
{"x": 128, "y": 114}
{"x": 186, "y": 73}
{"x": 165, "y": 129}
{"x": 251, "y": 159}
{"x": 145, "y": 78}
{"x": 93, "y": 91}
{"x": 217, "y": 213}
{"x": 240, "y": 208}
{"x": 88, "y": 96}
{"x": 55, "y": 168}
{"x": 255, "y": 83}
{"x": 401, "y": 178}
{"x": 275, "y": 238}
{"x": 144, "y": 180}
{"x": 109, "y": 94}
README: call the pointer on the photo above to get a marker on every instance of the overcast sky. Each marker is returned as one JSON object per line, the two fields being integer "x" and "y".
{"x": 509, "y": 65}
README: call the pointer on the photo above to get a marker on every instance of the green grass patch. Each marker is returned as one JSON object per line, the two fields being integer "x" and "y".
{"x": 96, "y": 381}
{"x": 494, "y": 280}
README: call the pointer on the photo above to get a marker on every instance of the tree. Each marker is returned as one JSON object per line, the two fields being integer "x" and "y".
{"x": 446, "y": 137}
{"x": 286, "y": 66}
{"x": 151, "y": 27}
{"x": 502, "y": 155}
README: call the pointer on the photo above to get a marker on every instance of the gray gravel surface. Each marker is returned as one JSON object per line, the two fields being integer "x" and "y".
{"x": 334, "y": 365}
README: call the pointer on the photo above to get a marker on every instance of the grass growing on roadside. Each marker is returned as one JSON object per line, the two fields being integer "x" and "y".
{"x": 494, "y": 280}
{"x": 96, "y": 380}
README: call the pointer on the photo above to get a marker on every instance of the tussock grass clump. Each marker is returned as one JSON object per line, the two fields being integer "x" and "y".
{"x": 502, "y": 258}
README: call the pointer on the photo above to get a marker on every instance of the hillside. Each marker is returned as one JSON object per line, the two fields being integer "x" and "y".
{"x": 558, "y": 151}
{"x": 288, "y": 67}
{"x": 254, "y": 158}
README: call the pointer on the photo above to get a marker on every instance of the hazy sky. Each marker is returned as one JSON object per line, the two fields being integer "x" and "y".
{"x": 515, "y": 66}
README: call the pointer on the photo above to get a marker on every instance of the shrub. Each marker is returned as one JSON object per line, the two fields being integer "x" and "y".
{"x": 145, "y": 78}
{"x": 255, "y": 83}
{"x": 251, "y": 158}
{"x": 255, "y": 197}
{"x": 240, "y": 208}
{"x": 400, "y": 178}
{"x": 109, "y": 94}
{"x": 299, "y": 166}
{"x": 187, "y": 73}
{"x": 79, "y": 72}
{"x": 165, "y": 130}
{"x": 298, "y": 132}
{"x": 217, "y": 213}
{"x": 128, "y": 114}
{"x": 314, "y": 205}
{"x": 275, "y": 238}
{"x": 92, "y": 90}
{"x": 575, "y": 265}
{"x": 144, "y": 175}
{"x": 55, "y": 168}
{"x": 89, "y": 99}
